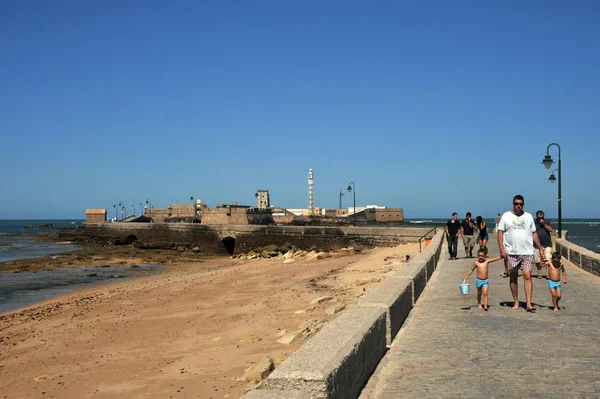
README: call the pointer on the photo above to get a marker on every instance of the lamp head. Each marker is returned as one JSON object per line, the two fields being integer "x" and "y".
{"x": 547, "y": 161}
{"x": 349, "y": 188}
{"x": 552, "y": 178}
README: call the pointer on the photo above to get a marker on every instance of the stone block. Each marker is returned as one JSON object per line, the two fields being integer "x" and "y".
{"x": 395, "y": 296}
{"x": 591, "y": 263}
{"x": 338, "y": 361}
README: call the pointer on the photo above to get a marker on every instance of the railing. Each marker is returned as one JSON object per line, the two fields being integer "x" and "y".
{"x": 427, "y": 236}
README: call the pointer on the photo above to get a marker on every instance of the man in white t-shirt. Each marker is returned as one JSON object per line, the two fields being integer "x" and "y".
{"x": 516, "y": 236}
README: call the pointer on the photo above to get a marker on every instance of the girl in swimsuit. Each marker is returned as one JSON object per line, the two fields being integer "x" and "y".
{"x": 483, "y": 234}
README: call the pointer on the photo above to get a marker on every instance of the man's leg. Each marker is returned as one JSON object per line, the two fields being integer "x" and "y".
{"x": 505, "y": 266}
{"x": 449, "y": 238}
{"x": 454, "y": 252}
{"x": 528, "y": 287}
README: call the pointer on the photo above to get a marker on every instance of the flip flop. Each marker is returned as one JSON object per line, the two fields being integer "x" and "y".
{"x": 531, "y": 310}
{"x": 486, "y": 309}
{"x": 504, "y": 275}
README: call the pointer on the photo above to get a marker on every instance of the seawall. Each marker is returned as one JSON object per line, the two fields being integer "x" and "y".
{"x": 338, "y": 361}
{"x": 232, "y": 239}
{"x": 579, "y": 256}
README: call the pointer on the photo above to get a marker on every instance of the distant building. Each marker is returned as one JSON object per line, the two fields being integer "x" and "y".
{"x": 263, "y": 201}
{"x": 95, "y": 216}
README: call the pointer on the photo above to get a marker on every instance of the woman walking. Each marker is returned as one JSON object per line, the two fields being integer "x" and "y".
{"x": 483, "y": 234}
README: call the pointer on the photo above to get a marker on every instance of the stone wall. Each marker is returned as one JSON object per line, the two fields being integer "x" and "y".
{"x": 243, "y": 238}
{"x": 579, "y": 256}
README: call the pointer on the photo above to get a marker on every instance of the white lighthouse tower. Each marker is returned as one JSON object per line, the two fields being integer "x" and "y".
{"x": 311, "y": 192}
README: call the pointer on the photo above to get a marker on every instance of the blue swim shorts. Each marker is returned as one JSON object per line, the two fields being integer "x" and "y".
{"x": 554, "y": 284}
{"x": 482, "y": 283}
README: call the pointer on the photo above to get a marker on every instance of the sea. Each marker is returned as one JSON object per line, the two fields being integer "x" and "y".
{"x": 582, "y": 232}
{"x": 20, "y": 239}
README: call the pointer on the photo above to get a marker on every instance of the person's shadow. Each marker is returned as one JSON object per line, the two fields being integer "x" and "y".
{"x": 522, "y": 304}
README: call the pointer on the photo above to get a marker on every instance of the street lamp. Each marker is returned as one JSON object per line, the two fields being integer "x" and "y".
{"x": 193, "y": 209}
{"x": 141, "y": 209}
{"x": 149, "y": 203}
{"x": 352, "y": 189}
{"x": 552, "y": 178}
{"x": 133, "y": 206}
{"x": 115, "y": 206}
{"x": 548, "y": 164}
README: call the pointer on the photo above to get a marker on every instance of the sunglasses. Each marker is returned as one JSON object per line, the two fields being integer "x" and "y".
{"x": 518, "y": 203}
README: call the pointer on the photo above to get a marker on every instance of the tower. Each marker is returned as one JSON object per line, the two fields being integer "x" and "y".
{"x": 311, "y": 192}
{"x": 263, "y": 200}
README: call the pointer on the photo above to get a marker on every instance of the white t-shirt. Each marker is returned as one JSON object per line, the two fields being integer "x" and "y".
{"x": 518, "y": 233}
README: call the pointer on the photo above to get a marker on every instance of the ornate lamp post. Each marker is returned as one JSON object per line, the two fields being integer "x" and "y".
{"x": 133, "y": 206}
{"x": 193, "y": 209}
{"x": 115, "y": 206}
{"x": 548, "y": 164}
{"x": 352, "y": 189}
{"x": 149, "y": 203}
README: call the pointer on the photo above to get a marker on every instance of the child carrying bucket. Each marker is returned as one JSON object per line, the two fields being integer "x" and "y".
{"x": 481, "y": 264}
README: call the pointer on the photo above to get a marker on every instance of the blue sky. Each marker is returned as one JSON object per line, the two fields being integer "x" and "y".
{"x": 434, "y": 107}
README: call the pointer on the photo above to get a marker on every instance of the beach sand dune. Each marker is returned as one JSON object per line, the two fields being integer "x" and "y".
{"x": 189, "y": 331}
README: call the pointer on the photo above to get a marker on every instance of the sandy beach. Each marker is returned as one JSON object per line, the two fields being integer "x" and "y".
{"x": 189, "y": 331}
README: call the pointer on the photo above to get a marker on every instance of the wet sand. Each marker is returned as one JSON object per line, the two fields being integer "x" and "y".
{"x": 188, "y": 331}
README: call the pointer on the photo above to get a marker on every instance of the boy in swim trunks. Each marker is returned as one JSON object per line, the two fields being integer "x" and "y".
{"x": 481, "y": 264}
{"x": 554, "y": 268}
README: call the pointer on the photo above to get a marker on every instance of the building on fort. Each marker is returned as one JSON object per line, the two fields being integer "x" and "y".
{"x": 176, "y": 212}
{"x": 94, "y": 216}
{"x": 263, "y": 200}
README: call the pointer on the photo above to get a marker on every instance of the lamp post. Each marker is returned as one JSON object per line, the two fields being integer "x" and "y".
{"x": 141, "y": 209}
{"x": 341, "y": 195}
{"x": 133, "y": 206}
{"x": 193, "y": 209}
{"x": 115, "y": 206}
{"x": 548, "y": 164}
{"x": 352, "y": 189}
{"x": 149, "y": 203}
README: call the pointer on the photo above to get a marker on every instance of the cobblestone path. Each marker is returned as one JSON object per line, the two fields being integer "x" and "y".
{"x": 450, "y": 349}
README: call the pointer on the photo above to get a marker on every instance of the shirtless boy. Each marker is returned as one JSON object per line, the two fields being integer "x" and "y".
{"x": 481, "y": 264}
{"x": 554, "y": 268}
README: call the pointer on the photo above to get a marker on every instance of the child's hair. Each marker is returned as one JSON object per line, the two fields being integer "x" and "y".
{"x": 555, "y": 255}
{"x": 482, "y": 250}
{"x": 478, "y": 221}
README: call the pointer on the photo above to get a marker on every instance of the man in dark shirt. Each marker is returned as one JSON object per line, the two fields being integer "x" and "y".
{"x": 467, "y": 228}
{"x": 452, "y": 232}
{"x": 543, "y": 230}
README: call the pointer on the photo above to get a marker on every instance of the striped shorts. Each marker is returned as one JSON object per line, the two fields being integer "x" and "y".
{"x": 524, "y": 261}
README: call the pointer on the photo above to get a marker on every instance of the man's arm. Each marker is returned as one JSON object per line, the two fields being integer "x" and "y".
{"x": 447, "y": 232}
{"x": 501, "y": 244}
{"x": 536, "y": 240}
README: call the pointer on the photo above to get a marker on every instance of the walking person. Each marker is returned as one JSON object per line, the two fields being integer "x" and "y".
{"x": 452, "y": 232}
{"x": 497, "y": 220}
{"x": 467, "y": 229}
{"x": 543, "y": 229}
{"x": 483, "y": 234}
{"x": 516, "y": 237}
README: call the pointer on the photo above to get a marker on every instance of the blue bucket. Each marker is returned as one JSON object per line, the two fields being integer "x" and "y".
{"x": 464, "y": 288}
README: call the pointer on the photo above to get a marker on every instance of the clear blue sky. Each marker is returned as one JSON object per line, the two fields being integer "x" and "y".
{"x": 434, "y": 107}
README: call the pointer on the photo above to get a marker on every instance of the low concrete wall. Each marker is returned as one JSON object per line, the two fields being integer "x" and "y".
{"x": 579, "y": 256}
{"x": 338, "y": 361}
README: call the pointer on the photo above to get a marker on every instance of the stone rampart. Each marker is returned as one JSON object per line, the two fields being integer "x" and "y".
{"x": 209, "y": 239}
{"x": 579, "y": 256}
{"x": 339, "y": 360}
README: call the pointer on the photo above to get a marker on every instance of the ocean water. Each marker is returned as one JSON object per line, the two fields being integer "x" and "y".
{"x": 19, "y": 239}
{"x": 18, "y": 290}
{"x": 582, "y": 232}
